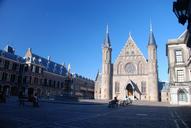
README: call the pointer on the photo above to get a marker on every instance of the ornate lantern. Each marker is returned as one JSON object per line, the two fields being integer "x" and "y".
{"x": 180, "y": 8}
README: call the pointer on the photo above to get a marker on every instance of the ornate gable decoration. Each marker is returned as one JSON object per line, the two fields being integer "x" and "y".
{"x": 130, "y": 50}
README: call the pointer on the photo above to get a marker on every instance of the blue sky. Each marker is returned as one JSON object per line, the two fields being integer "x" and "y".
{"x": 72, "y": 31}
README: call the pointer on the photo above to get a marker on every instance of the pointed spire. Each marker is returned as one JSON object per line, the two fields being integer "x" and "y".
{"x": 107, "y": 40}
{"x": 151, "y": 36}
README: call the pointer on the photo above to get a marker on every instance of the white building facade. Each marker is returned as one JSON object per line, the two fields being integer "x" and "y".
{"x": 179, "y": 70}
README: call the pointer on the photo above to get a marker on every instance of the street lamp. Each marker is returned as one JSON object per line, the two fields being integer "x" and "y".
{"x": 182, "y": 10}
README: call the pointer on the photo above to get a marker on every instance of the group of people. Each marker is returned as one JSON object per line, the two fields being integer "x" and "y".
{"x": 31, "y": 98}
{"x": 115, "y": 102}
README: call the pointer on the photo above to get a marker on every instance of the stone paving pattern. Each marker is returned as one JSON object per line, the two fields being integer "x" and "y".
{"x": 77, "y": 115}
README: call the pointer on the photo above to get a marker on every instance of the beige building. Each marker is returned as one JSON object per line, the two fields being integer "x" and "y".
{"x": 179, "y": 70}
{"x": 131, "y": 74}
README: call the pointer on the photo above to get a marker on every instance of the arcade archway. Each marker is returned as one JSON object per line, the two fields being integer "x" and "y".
{"x": 129, "y": 89}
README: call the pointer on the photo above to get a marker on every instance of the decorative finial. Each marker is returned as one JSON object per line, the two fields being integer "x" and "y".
{"x": 69, "y": 68}
{"x": 151, "y": 29}
{"x": 129, "y": 34}
{"x": 107, "y": 29}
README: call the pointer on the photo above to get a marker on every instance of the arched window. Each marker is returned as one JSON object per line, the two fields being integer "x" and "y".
{"x": 182, "y": 95}
{"x": 119, "y": 68}
{"x": 143, "y": 87}
{"x": 117, "y": 87}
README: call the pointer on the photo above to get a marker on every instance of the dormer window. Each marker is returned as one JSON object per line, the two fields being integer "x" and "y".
{"x": 39, "y": 60}
{"x": 61, "y": 70}
{"x": 34, "y": 59}
{"x": 178, "y": 56}
{"x": 55, "y": 67}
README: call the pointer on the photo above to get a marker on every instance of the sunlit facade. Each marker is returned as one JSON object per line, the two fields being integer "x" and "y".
{"x": 179, "y": 70}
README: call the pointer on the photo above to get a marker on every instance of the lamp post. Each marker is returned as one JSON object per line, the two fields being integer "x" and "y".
{"x": 182, "y": 10}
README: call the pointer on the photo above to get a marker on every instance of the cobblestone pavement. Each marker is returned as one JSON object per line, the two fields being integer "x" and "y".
{"x": 55, "y": 115}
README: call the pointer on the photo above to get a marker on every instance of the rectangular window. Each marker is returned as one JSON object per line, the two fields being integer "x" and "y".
{"x": 178, "y": 55}
{"x": 40, "y": 71}
{"x": 1, "y": 62}
{"x": 25, "y": 80}
{"x": 58, "y": 84}
{"x": 62, "y": 85}
{"x": 36, "y": 80}
{"x": 6, "y": 64}
{"x": 10, "y": 65}
{"x": 4, "y": 77}
{"x": 180, "y": 75}
{"x": 20, "y": 67}
{"x": 14, "y": 67}
{"x": 33, "y": 69}
{"x": 49, "y": 83}
{"x": 143, "y": 87}
{"x": 37, "y": 70}
{"x": 26, "y": 68}
{"x": 12, "y": 78}
{"x": 45, "y": 82}
{"x": 1, "y": 75}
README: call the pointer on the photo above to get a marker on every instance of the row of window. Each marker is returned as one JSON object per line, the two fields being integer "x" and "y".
{"x": 19, "y": 67}
{"x": 29, "y": 79}
{"x": 10, "y": 77}
{"x": 11, "y": 65}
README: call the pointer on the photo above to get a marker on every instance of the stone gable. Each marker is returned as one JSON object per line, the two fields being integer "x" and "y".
{"x": 130, "y": 55}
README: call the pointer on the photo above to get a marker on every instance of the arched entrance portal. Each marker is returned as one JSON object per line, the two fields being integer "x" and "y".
{"x": 182, "y": 96}
{"x": 129, "y": 89}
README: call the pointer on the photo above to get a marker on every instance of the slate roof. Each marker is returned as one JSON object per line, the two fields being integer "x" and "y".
{"x": 82, "y": 77}
{"x": 8, "y": 52}
{"x": 49, "y": 65}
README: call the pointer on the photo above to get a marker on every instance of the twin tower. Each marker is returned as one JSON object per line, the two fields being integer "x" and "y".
{"x": 131, "y": 75}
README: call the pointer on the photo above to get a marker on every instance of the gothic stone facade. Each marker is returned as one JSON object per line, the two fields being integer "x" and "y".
{"x": 179, "y": 69}
{"x": 131, "y": 74}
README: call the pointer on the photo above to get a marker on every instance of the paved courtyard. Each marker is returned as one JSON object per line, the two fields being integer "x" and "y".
{"x": 60, "y": 115}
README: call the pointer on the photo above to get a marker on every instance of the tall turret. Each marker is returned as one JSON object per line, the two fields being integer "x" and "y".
{"x": 152, "y": 67}
{"x": 106, "y": 89}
